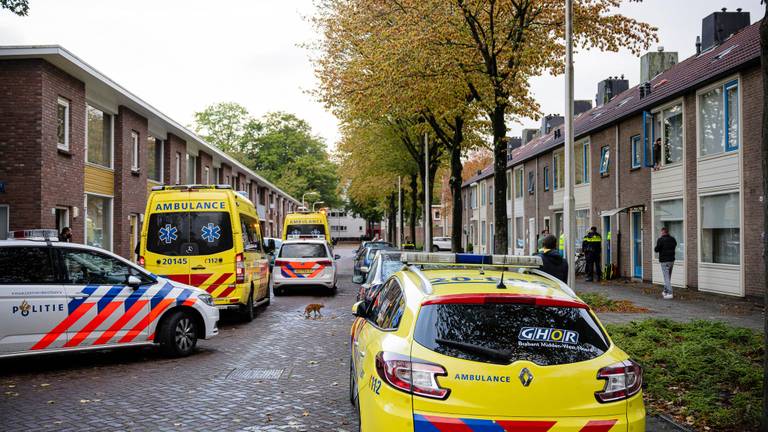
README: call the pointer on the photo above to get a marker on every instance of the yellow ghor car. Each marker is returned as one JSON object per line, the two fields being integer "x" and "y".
{"x": 459, "y": 342}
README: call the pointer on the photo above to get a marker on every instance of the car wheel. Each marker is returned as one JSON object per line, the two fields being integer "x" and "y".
{"x": 178, "y": 335}
{"x": 269, "y": 296}
{"x": 277, "y": 291}
{"x": 332, "y": 290}
{"x": 352, "y": 384}
{"x": 246, "y": 312}
{"x": 435, "y": 248}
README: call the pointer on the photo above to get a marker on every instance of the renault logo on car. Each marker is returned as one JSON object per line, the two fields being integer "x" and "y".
{"x": 525, "y": 377}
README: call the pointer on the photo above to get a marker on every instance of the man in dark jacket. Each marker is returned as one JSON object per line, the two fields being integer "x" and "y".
{"x": 592, "y": 247}
{"x": 553, "y": 262}
{"x": 665, "y": 247}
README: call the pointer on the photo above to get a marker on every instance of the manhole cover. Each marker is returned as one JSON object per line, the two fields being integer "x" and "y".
{"x": 255, "y": 374}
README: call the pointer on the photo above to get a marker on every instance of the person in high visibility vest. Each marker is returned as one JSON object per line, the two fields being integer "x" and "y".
{"x": 592, "y": 246}
{"x": 561, "y": 246}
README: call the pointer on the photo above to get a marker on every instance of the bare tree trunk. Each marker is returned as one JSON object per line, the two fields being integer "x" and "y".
{"x": 499, "y": 181}
{"x": 455, "y": 183}
{"x": 414, "y": 208}
{"x": 764, "y": 153}
{"x": 391, "y": 219}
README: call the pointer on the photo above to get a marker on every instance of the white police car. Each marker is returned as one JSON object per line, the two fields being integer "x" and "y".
{"x": 57, "y": 296}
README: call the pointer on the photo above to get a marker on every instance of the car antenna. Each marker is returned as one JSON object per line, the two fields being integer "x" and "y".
{"x": 501, "y": 285}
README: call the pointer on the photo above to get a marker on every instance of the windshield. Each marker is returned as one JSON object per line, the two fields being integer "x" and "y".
{"x": 371, "y": 254}
{"x": 306, "y": 230}
{"x": 303, "y": 250}
{"x": 186, "y": 233}
{"x": 502, "y": 333}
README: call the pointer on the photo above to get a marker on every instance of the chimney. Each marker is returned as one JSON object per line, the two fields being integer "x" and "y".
{"x": 549, "y": 122}
{"x": 719, "y": 26}
{"x": 581, "y": 106}
{"x": 512, "y": 143}
{"x": 655, "y": 63}
{"x": 609, "y": 88}
{"x": 528, "y": 135}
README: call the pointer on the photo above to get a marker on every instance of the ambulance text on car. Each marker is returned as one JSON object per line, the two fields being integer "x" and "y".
{"x": 209, "y": 237}
{"x": 481, "y": 343}
{"x": 65, "y": 296}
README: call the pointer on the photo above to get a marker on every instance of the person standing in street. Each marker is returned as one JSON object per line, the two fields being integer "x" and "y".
{"x": 552, "y": 262}
{"x": 592, "y": 245}
{"x": 544, "y": 234}
{"x": 665, "y": 247}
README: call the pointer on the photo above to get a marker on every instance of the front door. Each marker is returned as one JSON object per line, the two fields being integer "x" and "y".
{"x": 33, "y": 304}
{"x": 637, "y": 245}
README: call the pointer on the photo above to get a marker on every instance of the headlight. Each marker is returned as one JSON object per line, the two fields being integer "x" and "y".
{"x": 206, "y": 298}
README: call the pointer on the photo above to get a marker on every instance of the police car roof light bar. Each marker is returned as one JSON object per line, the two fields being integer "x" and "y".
{"x": 472, "y": 259}
{"x": 35, "y": 234}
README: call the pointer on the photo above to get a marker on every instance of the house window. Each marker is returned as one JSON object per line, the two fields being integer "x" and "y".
{"x": 99, "y": 137}
{"x": 177, "y": 172}
{"x": 605, "y": 156}
{"x": 473, "y": 196}
{"x": 519, "y": 233}
{"x": 134, "y": 151}
{"x": 490, "y": 194}
{"x": 531, "y": 183}
{"x": 581, "y": 157}
{"x": 668, "y": 125}
{"x": 582, "y": 226}
{"x": 720, "y": 229}
{"x": 519, "y": 183}
{"x": 62, "y": 124}
{"x": 482, "y": 233}
{"x": 559, "y": 173}
{"x": 208, "y": 177}
{"x": 546, "y": 177}
{"x": 719, "y": 119}
{"x": 669, "y": 214}
{"x": 191, "y": 169}
{"x": 98, "y": 221}
{"x": 509, "y": 185}
{"x": 216, "y": 175}
{"x": 155, "y": 159}
{"x": 636, "y": 151}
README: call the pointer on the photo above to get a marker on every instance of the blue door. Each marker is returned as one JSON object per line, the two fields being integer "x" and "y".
{"x": 637, "y": 245}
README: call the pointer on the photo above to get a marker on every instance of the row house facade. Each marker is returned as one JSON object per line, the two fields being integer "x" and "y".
{"x": 80, "y": 151}
{"x": 704, "y": 181}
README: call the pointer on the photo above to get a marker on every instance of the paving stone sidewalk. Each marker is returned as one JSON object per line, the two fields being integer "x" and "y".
{"x": 688, "y": 305}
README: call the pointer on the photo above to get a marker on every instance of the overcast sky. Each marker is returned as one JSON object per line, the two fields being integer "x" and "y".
{"x": 182, "y": 55}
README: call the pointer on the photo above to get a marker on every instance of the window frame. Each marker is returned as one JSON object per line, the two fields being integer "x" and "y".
{"x": 558, "y": 156}
{"x": 191, "y": 174}
{"x": 177, "y": 170}
{"x": 111, "y": 135}
{"x": 135, "y": 151}
{"x": 585, "y": 163}
{"x": 63, "y": 272}
{"x": 634, "y": 141}
{"x": 531, "y": 182}
{"x": 726, "y": 116}
{"x": 159, "y": 143}
{"x": 546, "y": 178}
{"x": 67, "y": 116}
{"x": 700, "y": 229}
{"x": 605, "y": 160}
{"x": 111, "y": 219}
{"x": 386, "y": 287}
{"x": 724, "y": 85}
{"x": 660, "y": 133}
{"x": 519, "y": 182}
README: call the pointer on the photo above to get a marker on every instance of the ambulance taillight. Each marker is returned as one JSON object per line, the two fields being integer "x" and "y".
{"x": 239, "y": 268}
{"x": 141, "y": 261}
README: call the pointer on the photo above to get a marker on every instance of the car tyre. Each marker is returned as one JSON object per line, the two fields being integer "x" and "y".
{"x": 435, "y": 248}
{"x": 269, "y": 295}
{"x": 178, "y": 334}
{"x": 246, "y": 312}
{"x": 352, "y": 384}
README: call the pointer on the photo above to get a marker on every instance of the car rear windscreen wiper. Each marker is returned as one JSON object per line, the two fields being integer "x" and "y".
{"x": 477, "y": 349}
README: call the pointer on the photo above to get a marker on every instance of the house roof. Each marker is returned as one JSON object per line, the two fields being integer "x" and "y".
{"x": 104, "y": 88}
{"x": 739, "y": 50}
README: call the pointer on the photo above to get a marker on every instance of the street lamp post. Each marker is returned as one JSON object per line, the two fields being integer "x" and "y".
{"x": 316, "y": 203}
{"x": 303, "y": 203}
{"x": 569, "y": 217}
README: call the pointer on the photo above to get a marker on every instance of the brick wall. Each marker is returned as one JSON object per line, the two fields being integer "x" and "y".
{"x": 204, "y": 160}
{"x": 21, "y": 139}
{"x": 62, "y": 179}
{"x": 226, "y": 173}
{"x": 752, "y": 231}
{"x": 173, "y": 146}
{"x": 544, "y": 197}
{"x": 691, "y": 193}
{"x": 130, "y": 186}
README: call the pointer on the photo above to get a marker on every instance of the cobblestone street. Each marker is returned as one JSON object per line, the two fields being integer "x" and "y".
{"x": 279, "y": 372}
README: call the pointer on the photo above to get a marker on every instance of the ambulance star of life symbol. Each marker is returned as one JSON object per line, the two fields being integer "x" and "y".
{"x": 211, "y": 232}
{"x": 168, "y": 234}
{"x": 525, "y": 377}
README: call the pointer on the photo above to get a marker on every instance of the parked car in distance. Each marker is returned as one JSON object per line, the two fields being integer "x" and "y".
{"x": 364, "y": 258}
{"x": 272, "y": 247}
{"x": 441, "y": 244}
{"x": 304, "y": 263}
{"x": 384, "y": 265}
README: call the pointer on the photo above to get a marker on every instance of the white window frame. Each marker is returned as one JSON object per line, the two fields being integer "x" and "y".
{"x": 111, "y": 135}
{"x": 177, "y": 172}
{"x": 722, "y": 84}
{"x": 135, "y": 151}
{"x": 741, "y": 232}
{"x": 518, "y": 189}
{"x": 656, "y": 230}
{"x": 161, "y": 162}
{"x": 207, "y": 175}
{"x": 558, "y": 155}
{"x": 193, "y": 174}
{"x": 111, "y": 199}
{"x": 586, "y": 161}
{"x": 660, "y": 111}
{"x": 65, "y": 103}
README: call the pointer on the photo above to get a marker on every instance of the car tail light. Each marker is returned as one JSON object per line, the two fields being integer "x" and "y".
{"x": 411, "y": 376}
{"x": 239, "y": 268}
{"x": 142, "y": 261}
{"x": 622, "y": 380}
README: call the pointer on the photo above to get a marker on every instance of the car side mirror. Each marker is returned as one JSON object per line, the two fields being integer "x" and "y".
{"x": 359, "y": 309}
{"x": 337, "y": 257}
{"x": 133, "y": 281}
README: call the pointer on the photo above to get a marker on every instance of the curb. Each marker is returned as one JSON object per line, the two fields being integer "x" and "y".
{"x": 671, "y": 422}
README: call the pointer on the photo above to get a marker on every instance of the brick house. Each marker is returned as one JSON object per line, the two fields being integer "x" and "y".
{"x": 81, "y": 151}
{"x": 704, "y": 184}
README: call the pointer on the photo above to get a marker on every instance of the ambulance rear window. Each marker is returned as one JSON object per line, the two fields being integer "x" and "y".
{"x": 306, "y": 230}
{"x": 501, "y": 333}
{"x": 189, "y": 233}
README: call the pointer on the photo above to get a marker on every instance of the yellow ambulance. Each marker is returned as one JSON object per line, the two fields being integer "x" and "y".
{"x": 207, "y": 236}
{"x": 306, "y": 225}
